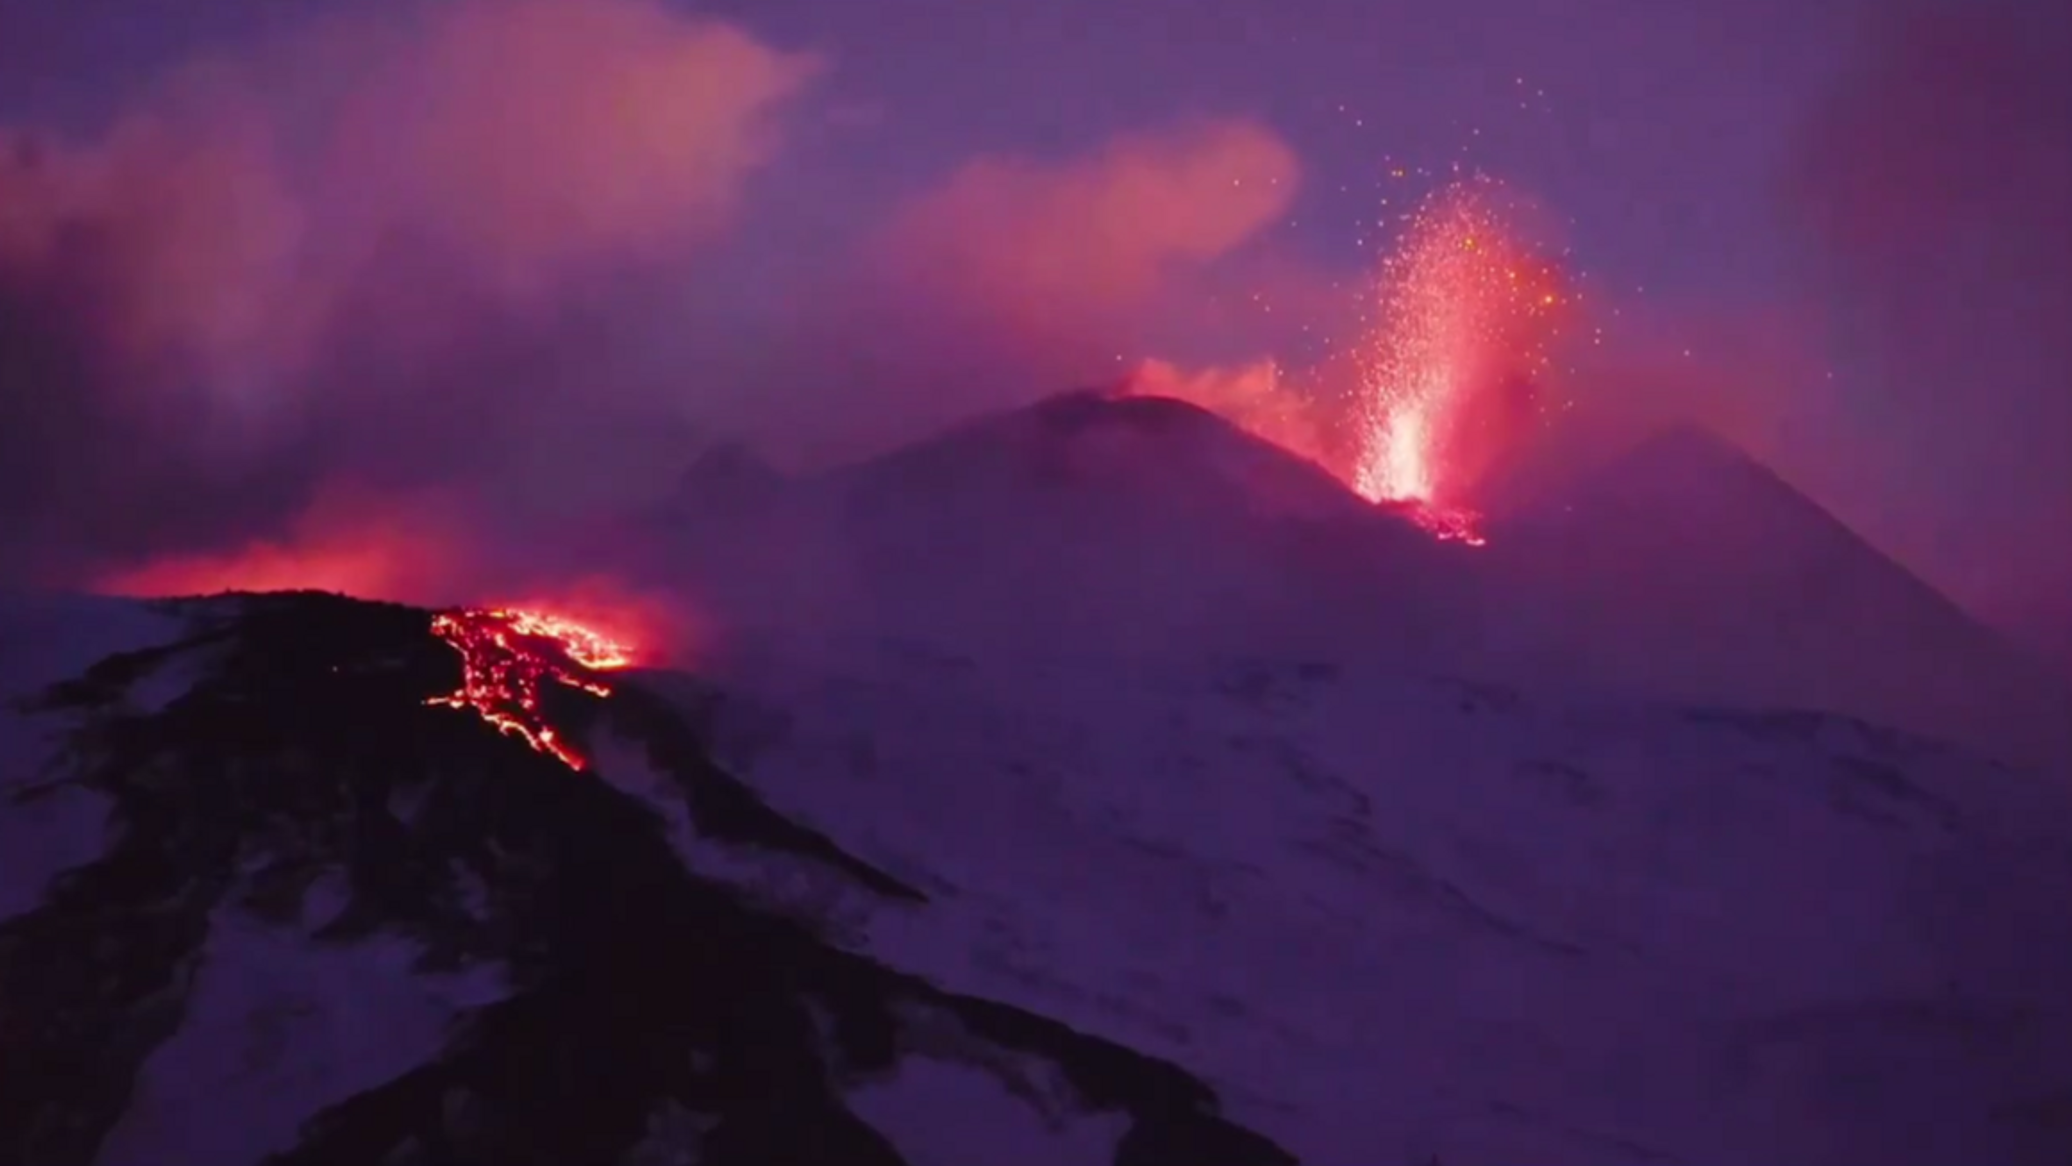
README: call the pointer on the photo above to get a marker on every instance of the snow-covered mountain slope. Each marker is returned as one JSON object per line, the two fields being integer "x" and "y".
{"x": 45, "y": 639}
{"x": 886, "y": 902}
{"x": 1687, "y": 568}
{"x": 1397, "y": 919}
{"x": 1684, "y": 569}
{"x": 1085, "y": 518}
{"x": 279, "y": 908}
{"x": 1094, "y": 784}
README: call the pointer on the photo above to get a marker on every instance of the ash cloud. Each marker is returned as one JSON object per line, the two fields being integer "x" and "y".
{"x": 365, "y": 253}
{"x": 1015, "y": 276}
{"x": 448, "y": 274}
{"x": 1097, "y": 234}
{"x": 129, "y": 274}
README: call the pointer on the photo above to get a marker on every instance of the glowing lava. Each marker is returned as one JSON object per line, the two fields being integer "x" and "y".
{"x": 505, "y": 658}
{"x": 348, "y": 540}
{"x": 1464, "y": 315}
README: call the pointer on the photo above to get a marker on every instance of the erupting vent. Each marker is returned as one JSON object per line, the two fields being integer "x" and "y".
{"x": 1465, "y": 313}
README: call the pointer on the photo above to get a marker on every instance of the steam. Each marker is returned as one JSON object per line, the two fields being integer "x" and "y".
{"x": 378, "y": 303}
{"x": 1015, "y": 276}
{"x": 447, "y": 277}
{"x": 1252, "y": 397}
{"x": 314, "y": 263}
{"x": 1097, "y": 234}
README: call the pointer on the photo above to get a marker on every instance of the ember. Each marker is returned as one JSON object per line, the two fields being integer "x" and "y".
{"x": 1465, "y": 313}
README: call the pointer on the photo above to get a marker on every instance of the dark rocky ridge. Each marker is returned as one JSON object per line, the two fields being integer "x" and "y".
{"x": 636, "y": 984}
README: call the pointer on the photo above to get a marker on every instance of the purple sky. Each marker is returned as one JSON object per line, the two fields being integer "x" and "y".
{"x": 1841, "y": 210}
{"x": 1655, "y": 124}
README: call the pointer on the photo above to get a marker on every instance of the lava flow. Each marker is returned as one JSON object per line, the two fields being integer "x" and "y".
{"x": 505, "y": 657}
{"x": 1464, "y": 315}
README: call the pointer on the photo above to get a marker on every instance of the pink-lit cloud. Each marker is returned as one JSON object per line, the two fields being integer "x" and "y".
{"x": 1099, "y": 233}
{"x": 535, "y": 134}
{"x": 343, "y": 245}
{"x": 343, "y": 301}
{"x": 1015, "y": 276}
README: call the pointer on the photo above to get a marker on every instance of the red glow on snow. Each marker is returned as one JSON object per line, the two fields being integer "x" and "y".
{"x": 507, "y": 655}
{"x": 349, "y": 541}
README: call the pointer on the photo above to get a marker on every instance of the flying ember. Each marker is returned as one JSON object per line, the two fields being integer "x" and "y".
{"x": 507, "y": 655}
{"x": 1463, "y": 318}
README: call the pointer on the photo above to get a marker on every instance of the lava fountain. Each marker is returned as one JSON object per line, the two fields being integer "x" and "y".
{"x": 1464, "y": 315}
{"x": 506, "y": 658}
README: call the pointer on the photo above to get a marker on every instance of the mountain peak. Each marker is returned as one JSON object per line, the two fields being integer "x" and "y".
{"x": 1079, "y": 409}
{"x": 1133, "y": 449}
{"x": 1690, "y": 440}
{"x": 1686, "y": 566}
{"x": 1693, "y": 464}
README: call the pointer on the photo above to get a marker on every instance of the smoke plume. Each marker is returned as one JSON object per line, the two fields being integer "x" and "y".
{"x": 352, "y": 258}
{"x": 378, "y": 302}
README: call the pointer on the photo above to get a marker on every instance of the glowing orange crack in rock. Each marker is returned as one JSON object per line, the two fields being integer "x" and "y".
{"x": 505, "y": 655}
{"x": 1451, "y": 525}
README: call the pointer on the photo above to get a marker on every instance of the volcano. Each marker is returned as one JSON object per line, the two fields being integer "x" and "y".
{"x": 1688, "y": 569}
{"x": 1081, "y": 518}
{"x": 1093, "y": 783}
{"x": 269, "y": 900}
{"x": 1684, "y": 570}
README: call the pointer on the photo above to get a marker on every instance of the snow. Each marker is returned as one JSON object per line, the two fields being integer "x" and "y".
{"x": 280, "y": 1026}
{"x": 1393, "y": 916}
{"x": 1139, "y": 521}
{"x": 46, "y": 829}
{"x": 44, "y": 832}
{"x": 50, "y": 637}
{"x": 949, "y": 1111}
{"x": 1686, "y": 569}
{"x": 1206, "y": 779}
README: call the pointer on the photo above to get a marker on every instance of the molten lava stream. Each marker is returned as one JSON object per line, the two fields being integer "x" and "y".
{"x": 506, "y": 655}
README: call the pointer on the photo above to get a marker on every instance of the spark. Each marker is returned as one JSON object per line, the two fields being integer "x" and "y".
{"x": 1463, "y": 314}
{"x": 506, "y": 655}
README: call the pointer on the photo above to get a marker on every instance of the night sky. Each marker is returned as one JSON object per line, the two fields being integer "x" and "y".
{"x": 1827, "y": 228}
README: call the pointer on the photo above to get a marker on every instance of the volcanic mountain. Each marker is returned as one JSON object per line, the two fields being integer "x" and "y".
{"x": 1083, "y": 518}
{"x": 268, "y": 899}
{"x": 1684, "y": 570}
{"x": 1092, "y": 783}
{"x": 1688, "y": 570}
